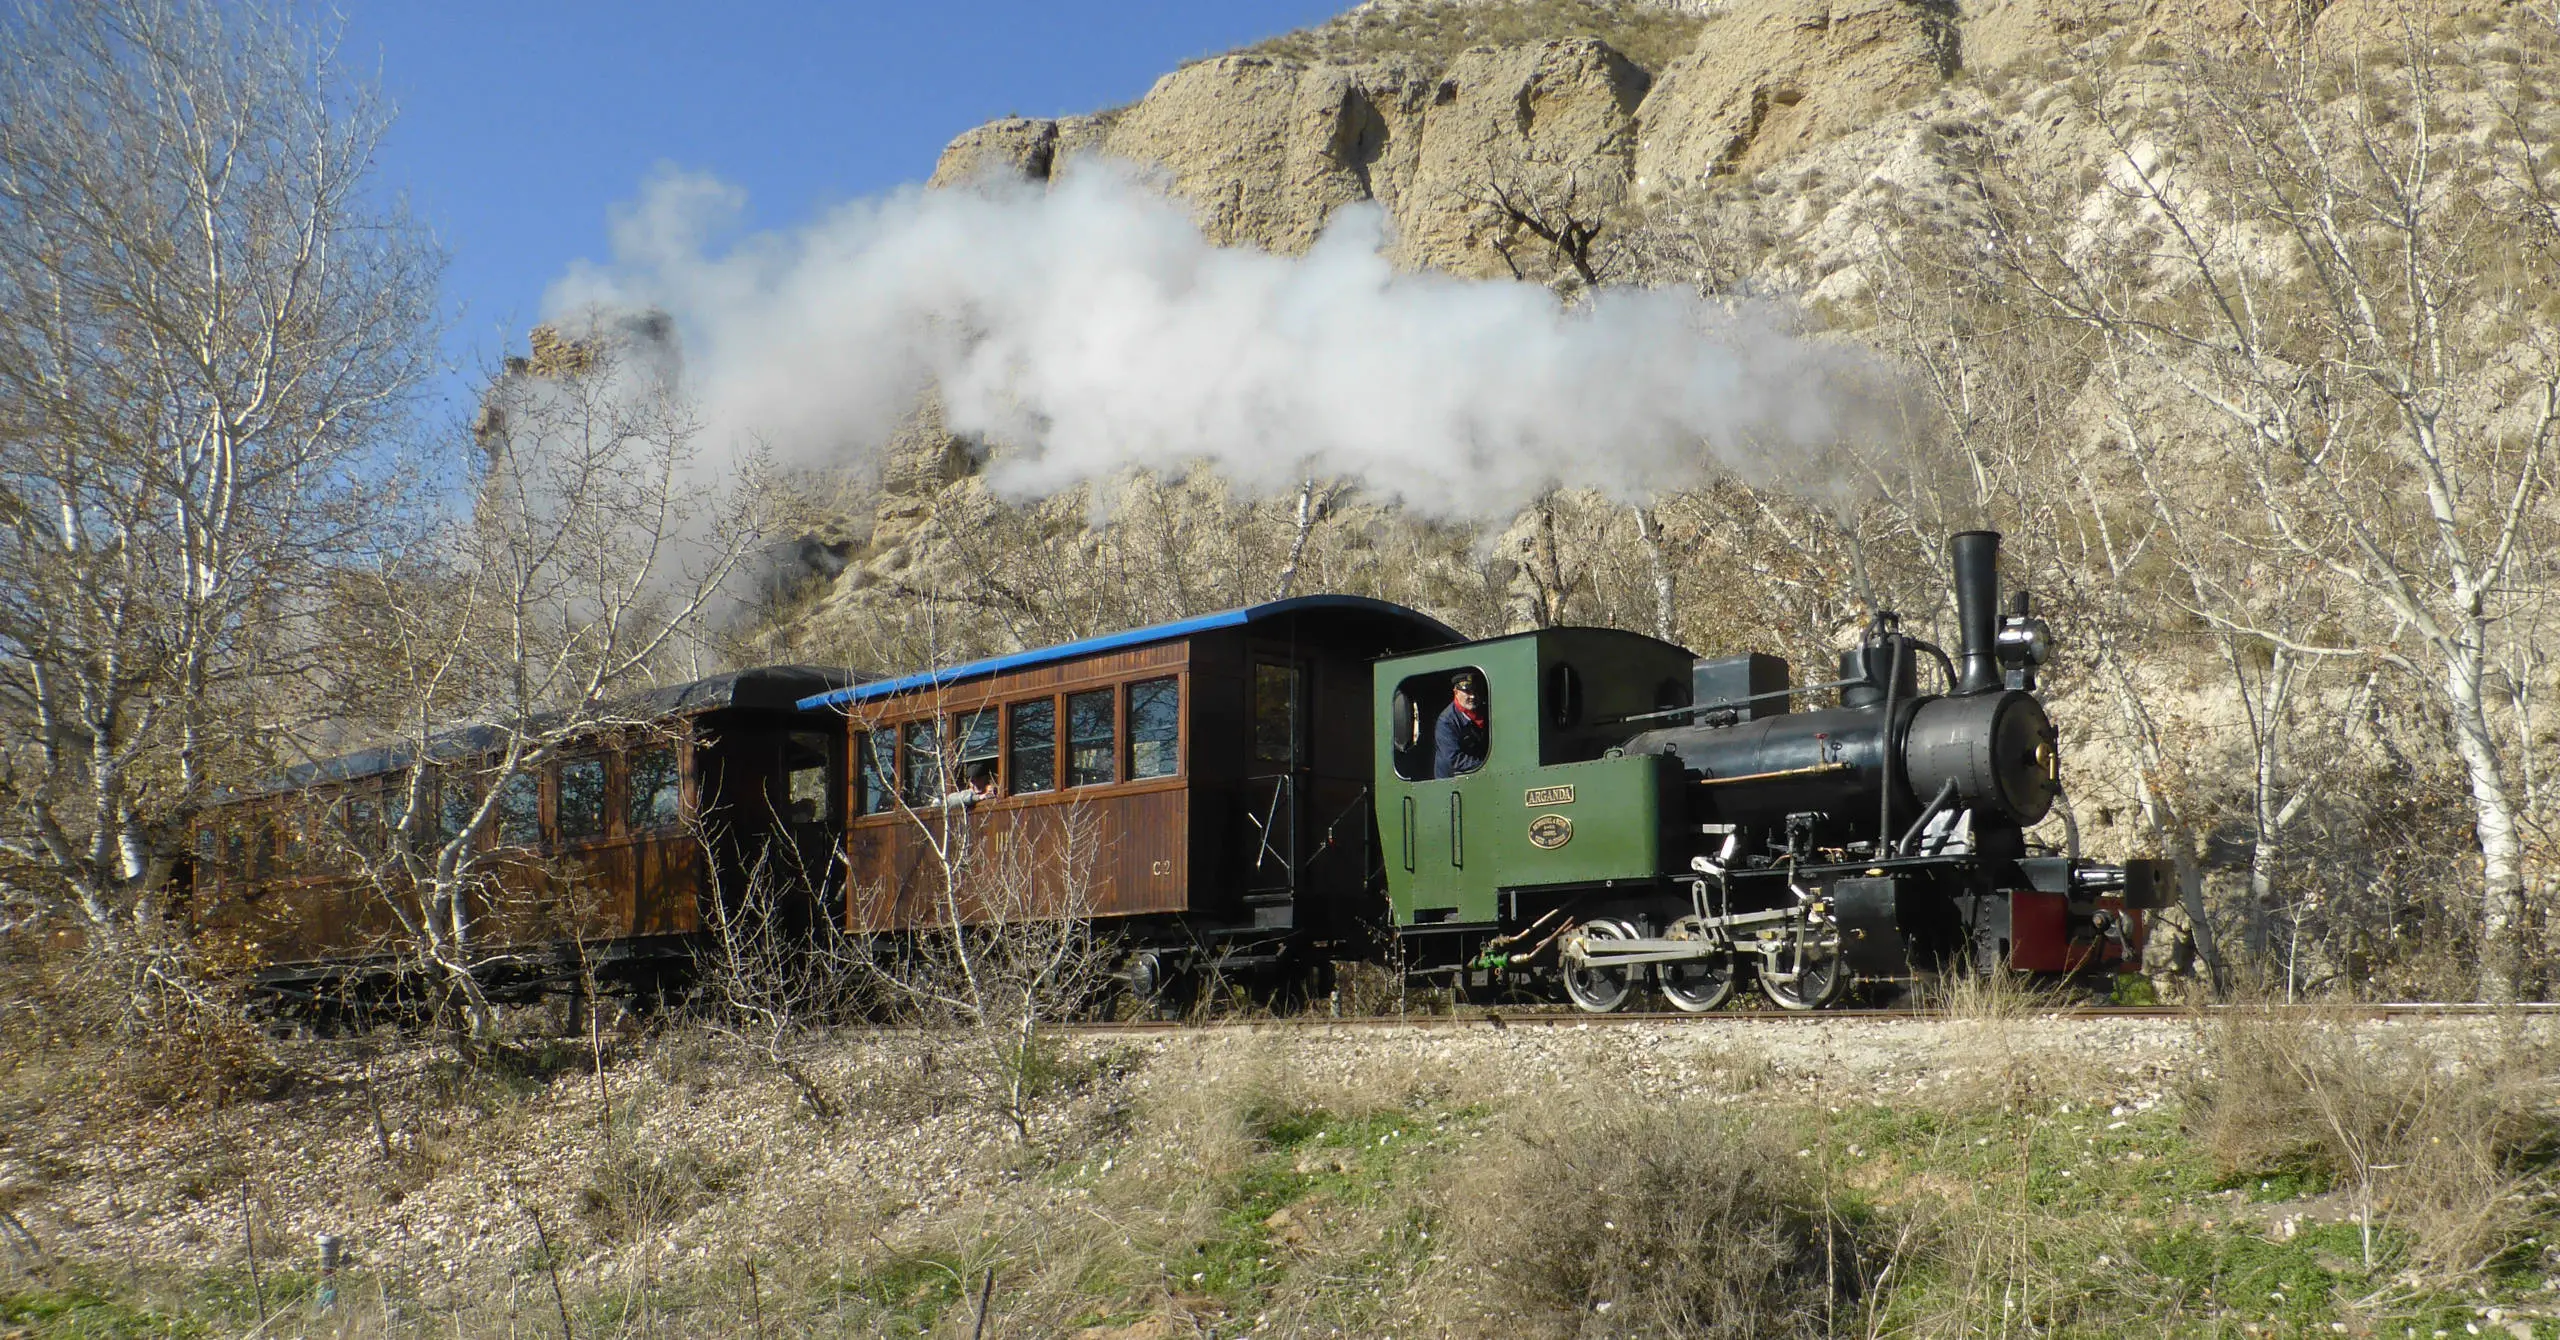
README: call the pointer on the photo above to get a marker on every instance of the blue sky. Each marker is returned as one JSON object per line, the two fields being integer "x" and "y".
{"x": 522, "y": 123}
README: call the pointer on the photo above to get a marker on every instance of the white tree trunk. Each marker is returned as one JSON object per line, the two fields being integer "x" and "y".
{"x": 2493, "y": 815}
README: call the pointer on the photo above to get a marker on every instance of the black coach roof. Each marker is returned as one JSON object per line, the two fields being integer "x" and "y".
{"x": 771, "y": 687}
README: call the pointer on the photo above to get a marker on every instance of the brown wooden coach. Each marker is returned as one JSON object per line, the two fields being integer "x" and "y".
{"x": 1202, "y": 784}
{"x": 600, "y": 856}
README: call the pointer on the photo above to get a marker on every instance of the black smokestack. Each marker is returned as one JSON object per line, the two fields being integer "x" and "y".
{"x": 1977, "y": 563}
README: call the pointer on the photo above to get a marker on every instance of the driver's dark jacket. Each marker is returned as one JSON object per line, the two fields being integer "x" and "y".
{"x": 1458, "y": 745}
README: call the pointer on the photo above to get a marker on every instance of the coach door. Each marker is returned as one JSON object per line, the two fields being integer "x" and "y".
{"x": 1276, "y": 777}
{"x": 771, "y": 797}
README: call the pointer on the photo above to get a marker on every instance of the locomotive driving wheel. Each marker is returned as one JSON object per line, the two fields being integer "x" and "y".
{"x": 1699, "y": 985}
{"x": 1597, "y": 990}
{"x": 1805, "y": 975}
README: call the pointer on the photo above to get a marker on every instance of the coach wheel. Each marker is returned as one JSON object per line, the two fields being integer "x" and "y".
{"x": 1819, "y": 979}
{"x": 1597, "y": 990}
{"x": 1144, "y": 974}
{"x": 1700, "y": 985}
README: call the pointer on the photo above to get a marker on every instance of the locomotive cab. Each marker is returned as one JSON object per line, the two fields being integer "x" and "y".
{"x": 1553, "y": 808}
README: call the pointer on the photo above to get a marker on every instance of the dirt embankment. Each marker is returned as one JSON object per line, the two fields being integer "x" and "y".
{"x": 1181, "y": 1180}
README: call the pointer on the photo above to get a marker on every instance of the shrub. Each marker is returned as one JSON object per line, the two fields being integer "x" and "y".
{"x": 1671, "y": 1221}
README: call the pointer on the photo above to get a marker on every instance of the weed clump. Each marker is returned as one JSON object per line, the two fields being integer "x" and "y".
{"x": 1671, "y": 1221}
{"x": 2453, "y": 1153}
{"x": 632, "y": 1189}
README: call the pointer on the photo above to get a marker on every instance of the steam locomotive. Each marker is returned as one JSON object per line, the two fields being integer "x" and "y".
{"x": 1250, "y": 796}
{"x": 1643, "y": 814}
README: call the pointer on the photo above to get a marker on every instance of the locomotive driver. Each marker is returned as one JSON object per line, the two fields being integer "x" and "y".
{"x": 1458, "y": 740}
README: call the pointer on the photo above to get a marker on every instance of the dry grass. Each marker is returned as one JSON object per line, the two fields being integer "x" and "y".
{"x": 1997, "y": 1031}
{"x": 1999, "y": 997}
{"x": 633, "y": 1187}
{"x": 1645, "y": 1220}
{"x": 2454, "y": 1151}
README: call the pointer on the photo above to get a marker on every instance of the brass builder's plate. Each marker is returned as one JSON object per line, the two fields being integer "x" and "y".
{"x": 1550, "y": 831}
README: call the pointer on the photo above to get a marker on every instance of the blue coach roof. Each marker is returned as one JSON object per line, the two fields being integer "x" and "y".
{"x": 1135, "y": 637}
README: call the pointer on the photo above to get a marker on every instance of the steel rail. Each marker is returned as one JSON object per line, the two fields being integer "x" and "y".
{"x": 1497, "y": 1018}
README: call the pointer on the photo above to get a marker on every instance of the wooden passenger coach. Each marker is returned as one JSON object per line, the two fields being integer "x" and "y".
{"x": 1201, "y": 783}
{"x": 617, "y": 844}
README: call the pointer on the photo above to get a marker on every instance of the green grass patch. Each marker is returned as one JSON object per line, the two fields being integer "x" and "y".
{"x": 2082, "y": 1221}
{"x": 907, "y": 1295}
{"x": 82, "y": 1312}
{"x": 1312, "y": 1161}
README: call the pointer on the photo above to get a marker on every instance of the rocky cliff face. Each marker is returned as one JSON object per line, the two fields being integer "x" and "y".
{"x": 1835, "y": 122}
{"x": 1267, "y": 148}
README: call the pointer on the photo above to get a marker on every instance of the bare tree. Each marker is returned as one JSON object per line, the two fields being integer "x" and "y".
{"x": 600, "y": 544}
{"x": 1314, "y": 504}
{"x": 1014, "y": 949}
{"x": 772, "y": 984}
{"x": 991, "y": 936}
{"x": 208, "y": 336}
{"x": 2309, "y": 257}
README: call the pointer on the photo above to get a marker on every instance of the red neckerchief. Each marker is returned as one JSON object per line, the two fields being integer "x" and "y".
{"x": 1473, "y": 718}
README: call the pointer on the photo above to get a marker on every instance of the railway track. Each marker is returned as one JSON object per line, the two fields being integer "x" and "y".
{"x": 1551, "y": 1019}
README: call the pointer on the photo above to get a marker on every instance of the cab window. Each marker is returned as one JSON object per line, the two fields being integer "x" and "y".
{"x": 1414, "y": 719}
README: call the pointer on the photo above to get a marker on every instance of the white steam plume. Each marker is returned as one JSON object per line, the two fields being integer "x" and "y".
{"x": 1089, "y": 327}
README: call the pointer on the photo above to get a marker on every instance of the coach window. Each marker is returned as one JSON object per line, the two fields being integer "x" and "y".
{"x": 1089, "y": 738}
{"x": 876, "y": 760}
{"x": 520, "y": 810}
{"x": 1155, "y": 728}
{"x": 804, "y": 777}
{"x": 582, "y": 800}
{"x": 1033, "y": 766}
{"x": 365, "y": 833}
{"x": 297, "y": 850}
{"x": 920, "y": 760}
{"x": 978, "y": 754}
{"x": 316, "y": 848}
{"x": 455, "y": 808}
{"x": 262, "y": 850}
{"x": 1276, "y": 713}
{"x": 653, "y": 789}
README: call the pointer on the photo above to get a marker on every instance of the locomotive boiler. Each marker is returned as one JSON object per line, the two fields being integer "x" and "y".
{"x": 1642, "y": 815}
